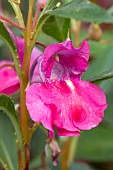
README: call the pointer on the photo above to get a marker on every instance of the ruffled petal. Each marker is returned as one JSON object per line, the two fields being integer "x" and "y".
{"x": 74, "y": 60}
{"x": 49, "y": 103}
{"x": 89, "y": 103}
{"x": 64, "y": 132}
{"x": 68, "y": 106}
{"x": 9, "y": 82}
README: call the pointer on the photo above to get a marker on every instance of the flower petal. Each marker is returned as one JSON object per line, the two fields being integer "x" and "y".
{"x": 49, "y": 103}
{"x": 89, "y": 103}
{"x": 75, "y": 60}
{"x": 68, "y": 107}
{"x": 63, "y": 132}
{"x": 9, "y": 82}
{"x": 20, "y": 46}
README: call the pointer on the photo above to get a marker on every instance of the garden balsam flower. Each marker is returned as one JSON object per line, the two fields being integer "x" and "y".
{"x": 9, "y": 81}
{"x": 61, "y": 99}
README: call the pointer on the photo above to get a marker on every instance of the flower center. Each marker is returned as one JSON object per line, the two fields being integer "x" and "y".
{"x": 70, "y": 85}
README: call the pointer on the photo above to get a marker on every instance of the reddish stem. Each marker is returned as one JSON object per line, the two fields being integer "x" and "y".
{"x": 11, "y": 22}
{"x": 36, "y": 17}
{"x": 41, "y": 44}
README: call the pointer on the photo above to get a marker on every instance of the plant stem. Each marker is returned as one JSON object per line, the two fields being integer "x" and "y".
{"x": 68, "y": 152}
{"x": 36, "y": 17}
{"x": 24, "y": 81}
{"x": 64, "y": 154}
{"x": 18, "y": 13}
{"x": 11, "y": 22}
{"x": 75, "y": 26}
{"x": 41, "y": 44}
{"x": 73, "y": 147}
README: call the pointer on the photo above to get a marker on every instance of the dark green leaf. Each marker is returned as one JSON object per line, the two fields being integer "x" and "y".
{"x": 83, "y": 10}
{"x": 5, "y": 36}
{"x": 79, "y": 166}
{"x": 96, "y": 144}
{"x": 8, "y": 147}
{"x": 6, "y": 104}
{"x": 108, "y": 74}
{"x": 57, "y": 27}
{"x": 37, "y": 148}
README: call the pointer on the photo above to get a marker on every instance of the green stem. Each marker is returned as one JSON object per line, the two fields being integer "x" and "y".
{"x": 18, "y": 13}
{"x": 24, "y": 81}
{"x": 4, "y": 164}
{"x": 75, "y": 26}
{"x": 38, "y": 29}
{"x": 33, "y": 129}
{"x": 39, "y": 24}
{"x": 72, "y": 150}
{"x": 64, "y": 154}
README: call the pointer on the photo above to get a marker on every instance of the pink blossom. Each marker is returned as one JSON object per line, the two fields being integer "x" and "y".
{"x": 62, "y": 100}
{"x": 9, "y": 81}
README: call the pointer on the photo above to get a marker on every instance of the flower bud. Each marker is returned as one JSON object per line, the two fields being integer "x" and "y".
{"x": 52, "y": 150}
{"x": 42, "y": 3}
{"x": 95, "y": 32}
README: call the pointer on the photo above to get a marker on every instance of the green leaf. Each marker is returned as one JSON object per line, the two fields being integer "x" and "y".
{"x": 108, "y": 74}
{"x": 96, "y": 144}
{"x": 18, "y": 13}
{"x": 83, "y": 10}
{"x": 79, "y": 166}
{"x": 110, "y": 10}
{"x": 6, "y": 104}
{"x": 37, "y": 147}
{"x": 57, "y": 27}
{"x": 5, "y": 36}
{"x": 6, "y": 153}
{"x": 4, "y": 164}
{"x": 8, "y": 146}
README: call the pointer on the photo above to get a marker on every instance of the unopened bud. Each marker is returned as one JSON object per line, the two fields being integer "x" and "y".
{"x": 95, "y": 32}
{"x": 42, "y": 3}
{"x": 52, "y": 150}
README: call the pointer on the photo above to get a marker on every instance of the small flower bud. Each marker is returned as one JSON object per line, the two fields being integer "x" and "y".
{"x": 42, "y": 3}
{"x": 95, "y": 32}
{"x": 52, "y": 150}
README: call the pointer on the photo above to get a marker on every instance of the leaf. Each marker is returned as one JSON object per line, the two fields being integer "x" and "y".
{"x": 83, "y": 10}
{"x": 37, "y": 147}
{"x": 8, "y": 158}
{"x": 57, "y": 27}
{"x": 79, "y": 166}
{"x": 96, "y": 144}
{"x": 108, "y": 74}
{"x": 8, "y": 146}
{"x": 5, "y": 36}
{"x": 110, "y": 10}
{"x": 6, "y": 104}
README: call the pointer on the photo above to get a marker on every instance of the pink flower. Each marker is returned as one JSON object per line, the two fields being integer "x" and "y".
{"x": 62, "y": 100}
{"x": 9, "y": 81}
